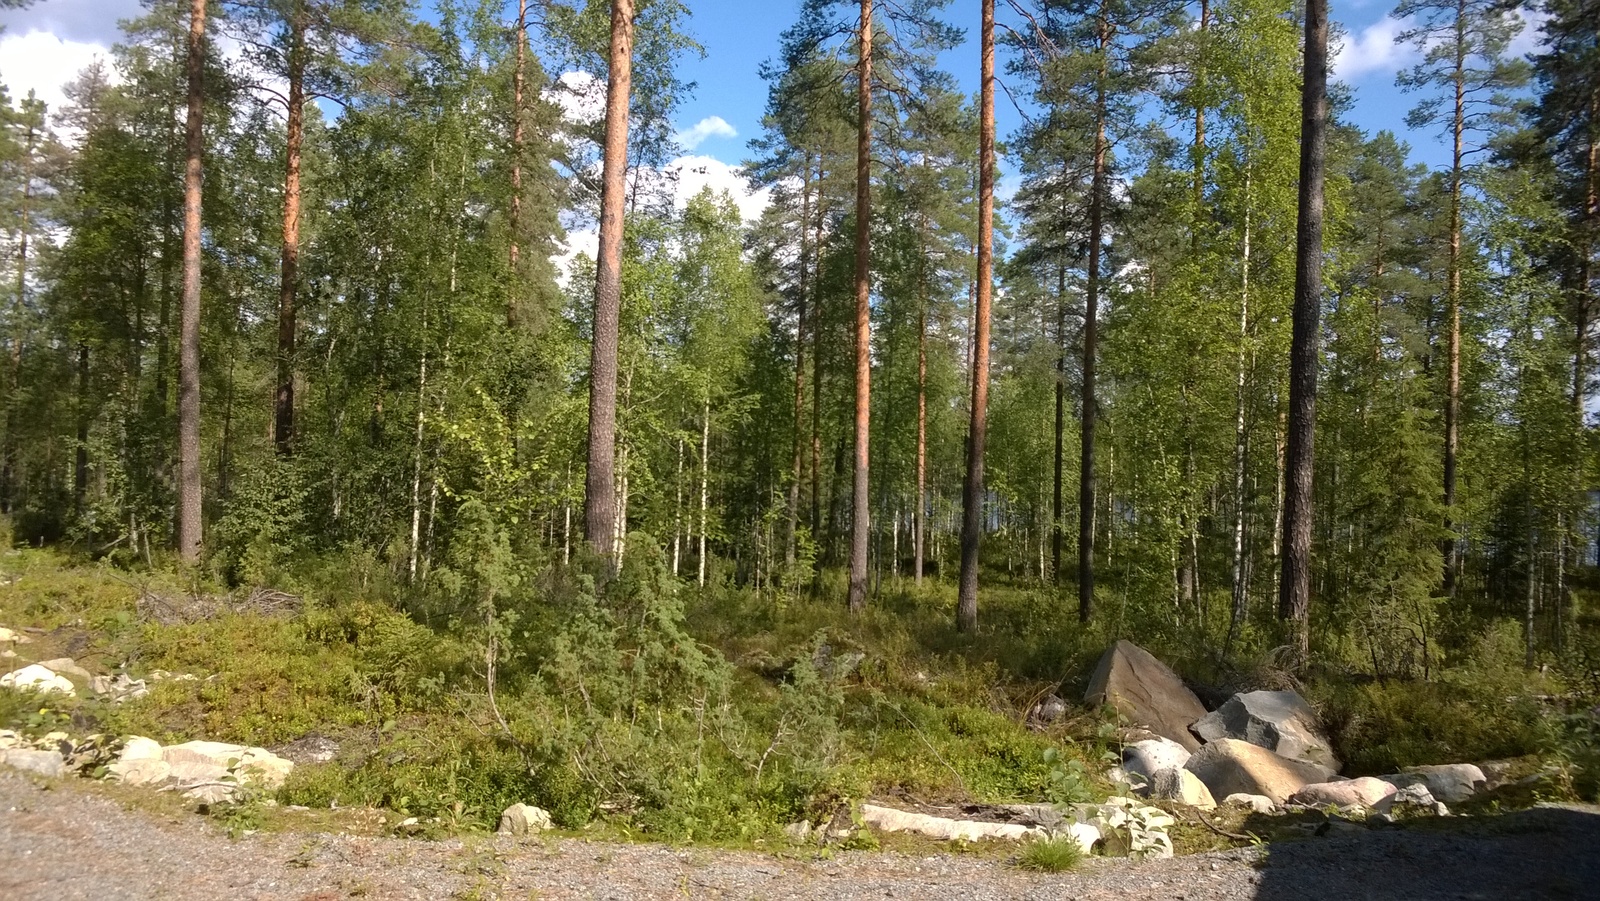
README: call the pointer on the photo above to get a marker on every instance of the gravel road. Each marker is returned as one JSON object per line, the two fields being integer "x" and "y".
{"x": 66, "y": 840}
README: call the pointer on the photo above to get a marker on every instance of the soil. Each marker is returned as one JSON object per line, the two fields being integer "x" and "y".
{"x": 70, "y": 839}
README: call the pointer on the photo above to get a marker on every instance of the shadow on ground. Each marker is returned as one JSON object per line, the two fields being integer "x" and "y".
{"x": 1547, "y": 852}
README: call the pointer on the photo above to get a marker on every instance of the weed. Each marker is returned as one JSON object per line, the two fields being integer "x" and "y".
{"x": 1051, "y": 855}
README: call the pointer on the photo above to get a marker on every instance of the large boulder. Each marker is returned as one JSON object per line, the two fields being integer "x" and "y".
{"x": 40, "y": 763}
{"x": 1143, "y": 759}
{"x": 1451, "y": 783}
{"x": 1183, "y": 786}
{"x": 38, "y": 678}
{"x": 1280, "y": 721}
{"x": 1230, "y": 766}
{"x": 212, "y": 760}
{"x": 1146, "y": 692}
{"x": 525, "y": 819}
{"x": 1364, "y": 792}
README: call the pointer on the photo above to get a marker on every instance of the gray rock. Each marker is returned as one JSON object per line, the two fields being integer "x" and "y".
{"x": 40, "y": 763}
{"x": 1146, "y": 692}
{"x": 1412, "y": 799}
{"x": 119, "y": 688}
{"x": 1048, "y": 711}
{"x": 313, "y": 748}
{"x": 524, "y": 819}
{"x": 1350, "y": 793}
{"x": 1183, "y": 786}
{"x": 1451, "y": 783}
{"x": 1230, "y": 766}
{"x": 1280, "y": 721}
{"x": 1257, "y": 803}
{"x": 1143, "y": 759}
{"x": 798, "y": 832}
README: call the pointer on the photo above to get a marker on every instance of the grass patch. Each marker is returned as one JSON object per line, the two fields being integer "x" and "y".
{"x": 1051, "y": 855}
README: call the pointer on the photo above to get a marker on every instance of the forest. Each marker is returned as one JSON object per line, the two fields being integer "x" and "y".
{"x": 290, "y": 304}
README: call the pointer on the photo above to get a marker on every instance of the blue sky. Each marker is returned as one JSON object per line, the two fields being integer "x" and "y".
{"x": 45, "y": 45}
{"x": 739, "y": 34}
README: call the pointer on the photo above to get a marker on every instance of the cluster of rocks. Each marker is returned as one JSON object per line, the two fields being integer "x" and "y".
{"x": 204, "y": 771}
{"x": 1265, "y": 750}
{"x": 64, "y": 676}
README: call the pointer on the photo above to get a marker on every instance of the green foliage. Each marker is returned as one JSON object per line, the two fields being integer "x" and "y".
{"x": 1484, "y": 710}
{"x": 1051, "y": 855}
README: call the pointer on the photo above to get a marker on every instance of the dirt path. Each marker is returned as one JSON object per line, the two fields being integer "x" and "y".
{"x": 66, "y": 841}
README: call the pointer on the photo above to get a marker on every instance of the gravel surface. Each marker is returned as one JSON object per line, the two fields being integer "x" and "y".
{"x": 65, "y": 840}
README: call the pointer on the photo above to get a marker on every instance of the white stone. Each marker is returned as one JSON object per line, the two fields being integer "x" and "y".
{"x": 140, "y": 771}
{"x": 1257, "y": 803}
{"x": 40, "y": 763}
{"x": 119, "y": 689}
{"x": 190, "y": 771}
{"x": 11, "y": 636}
{"x": 1143, "y": 759}
{"x": 524, "y": 819}
{"x": 888, "y": 819}
{"x": 1451, "y": 783}
{"x": 251, "y": 766}
{"x": 1087, "y": 835}
{"x": 138, "y": 747}
{"x": 9, "y": 739}
{"x": 798, "y": 832}
{"x": 38, "y": 678}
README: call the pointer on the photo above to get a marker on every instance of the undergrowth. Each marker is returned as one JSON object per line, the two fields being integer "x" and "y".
{"x": 646, "y": 708}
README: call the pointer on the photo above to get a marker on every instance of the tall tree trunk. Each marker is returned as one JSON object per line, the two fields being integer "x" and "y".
{"x": 705, "y": 484}
{"x": 1452, "y": 405}
{"x": 283, "y": 400}
{"x": 1583, "y": 307}
{"x": 677, "y": 510}
{"x": 189, "y": 487}
{"x": 791, "y": 539}
{"x": 860, "y": 500}
{"x": 919, "y": 523}
{"x": 816, "y": 390}
{"x": 80, "y": 463}
{"x": 518, "y": 73}
{"x": 972, "y": 490}
{"x": 599, "y": 501}
{"x": 1189, "y": 556}
{"x": 1294, "y": 588}
{"x": 1086, "y": 509}
{"x": 8, "y": 466}
{"x": 1241, "y": 433}
{"x": 1058, "y": 509}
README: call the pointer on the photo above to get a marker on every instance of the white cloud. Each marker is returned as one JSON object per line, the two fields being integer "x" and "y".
{"x": 687, "y": 175}
{"x": 581, "y": 96}
{"x": 84, "y": 21}
{"x": 1528, "y": 40}
{"x": 709, "y": 127}
{"x": 695, "y": 172}
{"x": 43, "y": 63}
{"x": 1373, "y": 50}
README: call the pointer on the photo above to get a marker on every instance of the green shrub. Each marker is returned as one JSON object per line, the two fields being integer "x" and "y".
{"x": 1051, "y": 855}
